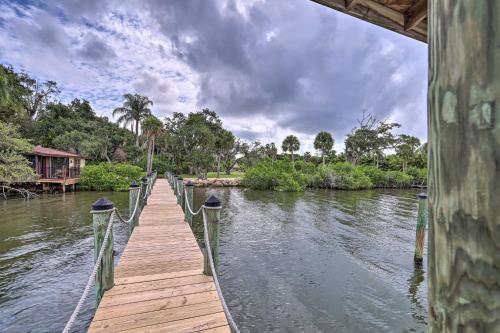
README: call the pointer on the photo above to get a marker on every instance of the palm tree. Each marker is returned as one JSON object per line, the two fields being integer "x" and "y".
{"x": 324, "y": 143}
{"x": 291, "y": 144}
{"x": 152, "y": 127}
{"x": 134, "y": 110}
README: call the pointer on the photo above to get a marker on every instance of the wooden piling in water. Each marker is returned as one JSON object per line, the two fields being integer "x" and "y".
{"x": 133, "y": 192}
{"x": 104, "y": 279}
{"x": 211, "y": 212}
{"x": 188, "y": 217}
{"x": 421, "y": 226}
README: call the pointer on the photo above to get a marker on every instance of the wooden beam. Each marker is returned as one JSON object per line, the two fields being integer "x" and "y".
{"x": 384, "y": 11}
{"x": 464, "y": 168}
{"x": 379, "y": 14}
{"x": 415, "y": 14}
{"x": 350, "y": 3}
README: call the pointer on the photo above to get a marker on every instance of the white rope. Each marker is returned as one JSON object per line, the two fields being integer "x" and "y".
{"x": 208, "y": 248}
{"x": 189, "y": 207}
{"x": 90, "y": 281}
{"x": 131, "y": 217}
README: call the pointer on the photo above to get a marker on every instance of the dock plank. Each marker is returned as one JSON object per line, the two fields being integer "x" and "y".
{"x": 159, "y": 283}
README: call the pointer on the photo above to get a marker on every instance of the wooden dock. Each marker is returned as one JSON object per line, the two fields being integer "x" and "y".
{"x": 159, "y": 280}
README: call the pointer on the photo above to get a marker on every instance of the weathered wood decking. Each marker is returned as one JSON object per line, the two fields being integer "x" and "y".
{"x": 159, "y": 284}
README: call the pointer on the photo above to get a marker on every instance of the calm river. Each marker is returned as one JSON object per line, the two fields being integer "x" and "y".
{"x": 318, "y": 261}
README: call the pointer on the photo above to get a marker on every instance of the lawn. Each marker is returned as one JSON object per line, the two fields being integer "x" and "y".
{"x": 234, "y": 174}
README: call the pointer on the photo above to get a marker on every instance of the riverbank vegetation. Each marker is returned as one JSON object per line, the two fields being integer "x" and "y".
{"x": 195, "y": 144}
{"x": 286, "y": 176}
{"x": 110, "y": 176}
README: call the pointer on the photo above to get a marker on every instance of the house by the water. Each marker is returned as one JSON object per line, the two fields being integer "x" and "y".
{"x": 56, "y": 167}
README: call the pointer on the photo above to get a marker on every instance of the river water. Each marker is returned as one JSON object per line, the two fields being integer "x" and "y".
{"x": 318, "y": 261}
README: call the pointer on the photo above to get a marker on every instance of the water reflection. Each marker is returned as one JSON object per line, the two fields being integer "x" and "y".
{"x": 320, "y": 261}
{"x": 46, "y": 254}
{"x": 418, "y": 310}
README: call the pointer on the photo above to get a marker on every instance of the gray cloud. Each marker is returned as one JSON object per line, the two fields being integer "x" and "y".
{"x": 95, "y": 49}
{"x": 296, "y": 62}
{"x": 301, "y": 66}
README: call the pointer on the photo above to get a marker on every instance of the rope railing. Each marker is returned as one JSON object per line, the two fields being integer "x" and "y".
{"x": 114, "y": 217}
{"x": 188, "y": 205}
{"x": 136, "y": 207}
{"x": 91, "y": 279}
{"x": 208, "y": 249}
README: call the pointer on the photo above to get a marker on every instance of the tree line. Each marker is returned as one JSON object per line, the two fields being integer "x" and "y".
{"x": 193, "y": 143}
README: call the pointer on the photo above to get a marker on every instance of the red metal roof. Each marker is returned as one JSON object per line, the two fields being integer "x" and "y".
{"x": 39, "y": 150}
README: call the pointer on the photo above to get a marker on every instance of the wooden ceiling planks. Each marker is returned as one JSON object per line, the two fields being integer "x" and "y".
{"x": 407, "y": 17}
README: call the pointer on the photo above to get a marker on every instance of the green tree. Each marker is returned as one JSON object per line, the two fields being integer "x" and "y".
{"x": 14, "y": 167}
{"x": 224, "y": 142}
{"x": 291, "y": 144}
{"x": 135, "y": 109}
{"x": 370, "y": 139}
{"x": 324, "y": 143}
{"x": 41, "y": 93}
{"x": 152, "y": 128}
{"x": 406, "y": 149}
{"x": 191, "y": 142}
{"x": 13, "y": 96}
{"x": 88, "y": 145}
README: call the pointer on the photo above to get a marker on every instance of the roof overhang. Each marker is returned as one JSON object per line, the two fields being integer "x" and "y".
{"x": 407, "y": 17}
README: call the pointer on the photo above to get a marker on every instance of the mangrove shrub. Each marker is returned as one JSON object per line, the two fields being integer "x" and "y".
{"x": 110, "y": 176}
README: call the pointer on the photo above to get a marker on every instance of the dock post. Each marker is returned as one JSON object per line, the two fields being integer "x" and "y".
{"x": 150, "y": 182}
{"x": 188, "y": 217}
{"x": 211, "y": 212}
{"x": 133, "y": 192}
{"x": 174, "y": 184}
{"x": 180, "y": 191}
{"x": 144, "y": 191}
{"x": 421, "y": 225}
{"x": 101, "y": 213}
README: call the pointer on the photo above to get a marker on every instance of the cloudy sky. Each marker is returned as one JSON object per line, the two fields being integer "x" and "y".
{"x": 269, "y": 68}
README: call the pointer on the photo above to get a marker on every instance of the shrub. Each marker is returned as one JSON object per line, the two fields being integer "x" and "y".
{"x": 398, "y": 179}
{"x": 377, "y": 176}
{"x": 109, "y": 176}
{"x": 344, "y": 176}
{"x": 277, "y": 175}
{"x": 419, "y": 175}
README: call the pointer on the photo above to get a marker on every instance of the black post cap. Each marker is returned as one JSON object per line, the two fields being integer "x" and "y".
{"x": 134, "y": 184}
{"x": 175, "y": 176}
{"x": 180, "y": 178}
{"x": 150, "y": 174}
{"x": 422, "y": 196}
{"x": 102, "y": 204}
{"x": 189, "y": 183}
{"x": 212, "y": 202}
{"x": 144, "y": 179}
